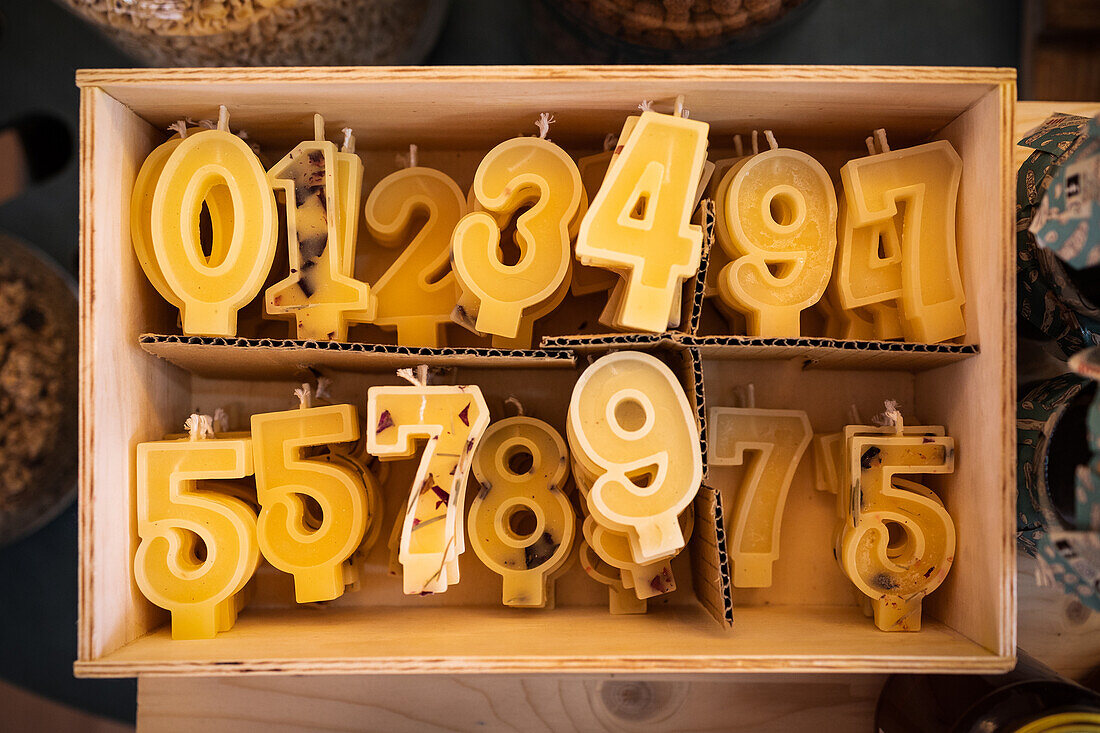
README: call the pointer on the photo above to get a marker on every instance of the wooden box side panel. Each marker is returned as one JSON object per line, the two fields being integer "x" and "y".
{"x": 974, "y": 399}
{"x": 125, "y": 394}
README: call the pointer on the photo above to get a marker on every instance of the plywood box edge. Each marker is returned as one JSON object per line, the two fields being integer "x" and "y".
{"x": 290, "y": 74}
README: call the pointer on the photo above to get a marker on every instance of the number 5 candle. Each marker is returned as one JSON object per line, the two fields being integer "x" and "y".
{"x": 209, "y": 292}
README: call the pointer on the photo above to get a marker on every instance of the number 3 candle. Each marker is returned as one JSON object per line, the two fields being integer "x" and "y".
{"x": 209, "y": 291}
{"x": 452, "y": 420}
{"x": 639, "y": 220}
{"x": 629, "y": 419}
{"x": 518, "y": 171}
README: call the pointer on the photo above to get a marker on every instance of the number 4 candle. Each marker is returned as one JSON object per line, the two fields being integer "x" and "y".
{"x": 640, "y": 220}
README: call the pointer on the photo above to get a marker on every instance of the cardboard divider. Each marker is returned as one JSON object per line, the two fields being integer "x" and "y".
{"x": 827, "y": 353}
{"x": 710, "y": 570}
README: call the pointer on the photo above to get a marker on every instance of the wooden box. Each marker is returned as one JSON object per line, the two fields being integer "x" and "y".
{"x": 808, "y": 621}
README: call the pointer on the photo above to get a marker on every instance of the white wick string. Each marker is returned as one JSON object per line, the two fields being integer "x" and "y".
{"x": 318, "y": 127}
{"x": 755, "y": 143}
{"x": 771, "y": 139}
{"x": 223, "y": 118}
{"x": 513, "y": 402}
{"x": 207, "y": 124}
{"x": 891, "y": 417}
{"x": 220, "y": 421}
{"x": 609, "y": 141}
{"x": 414, "y": 156}
{"x": 646, "y": 105}
{"x": 417, "y": 377}
{"x": 305, "y": 396}
{"x": 678, "y": 108}
{"x": 179, "y": 127}
{"x": 349, "y": 141}
{"x": 871, "y": 145}
{"x": 880, "y": 137}
{"x": 738, "y": 147}
{"x": 543, "y": 123}
{"x": 199, "y": 426}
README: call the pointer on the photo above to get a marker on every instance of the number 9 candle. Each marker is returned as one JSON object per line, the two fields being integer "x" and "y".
{"x": 780, "y": 212}
{"x": 629, "y": 419}
{"x": 519, "y": 171}
{"x": 209, "y": 292}
{"x": 510, "y": 485}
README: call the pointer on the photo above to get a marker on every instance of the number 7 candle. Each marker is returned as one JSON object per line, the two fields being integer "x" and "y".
{"x": 452, "y": 420}
{"x": 925, "y": 180}
{"x": 319, "y": 293}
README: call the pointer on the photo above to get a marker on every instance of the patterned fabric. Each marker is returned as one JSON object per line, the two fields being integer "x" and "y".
{"x": 1046, "y": 298}
{"x": 1067, "y": 221}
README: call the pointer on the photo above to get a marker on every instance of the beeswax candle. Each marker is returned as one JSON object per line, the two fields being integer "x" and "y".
{"x": 868, "y": 273}
{"x": 896, "y": 583}
{"x": 452, "y": 420}
{"x": 311, "y": 548}
{"x": 209, "y": 294}
{"x": 639, "y": 221}
{"x": 621, "y": 600}
{"x": 778, "y": 439}
{"x": 522, "y": 465}
{"x": 780, "y": 214}
{"x": 494, "y": 295}
{"x": 630, "y": 420}
{"x": 418, "y": 292}
{"x": 320, "y": 293}
{"x": 647, "y": 580}
{"x": 198, "y": 549}
{"x": 925, "y": 180}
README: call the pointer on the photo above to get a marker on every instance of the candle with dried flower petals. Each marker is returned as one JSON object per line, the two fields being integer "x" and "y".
{"x": 779, "y": 212}
{"x": 521, "y": 521}
{"x": 647, "y": 580}
{"x": 896, "y": 582}
{"x": 319, "y": 293}
{"x": 525, "y": 170}
{"x": 630, "y": 423}
{"x": 210, "y": 291}
{"x": 639, "y": 221}
{"x": 621, "y": 600}
{"x": 311, "y": 548}
{"x": 778, "y": 438}
{"x": 452, "y": 420}
{"x": 418, "y": 291}
{"x": 925, "y": 180}
{"x": 198, "y": 549}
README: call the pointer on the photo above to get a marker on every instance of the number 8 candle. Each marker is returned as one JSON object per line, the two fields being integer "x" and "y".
{"x": 208, "y": 294}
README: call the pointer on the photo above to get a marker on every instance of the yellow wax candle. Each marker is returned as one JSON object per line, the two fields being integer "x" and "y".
{"x": 219, "y": 203}
{"x": 640, "y": 220}
{"x": 319, "y": 293}
{"x": 312, "y": 549}
{"x": 208, "y": 294}
{"x": 778, "y": 439}
{"x": 630, "y": 420}
{"x": 842, "y": 485}
{"x": 522, "y": 465}
{"x": 375, "y": 507}
{"x": 418, "y": 292}
{"x": 925, "y": 180}
{"x": 647, "y": 580}
{"x": 724, "y": 171}
{"x": 198, "y": 549}
{"x": 897, "y": 582}
{"x": 524, "y": 338}
{"x": 868, "y": 271}
{"x": 779, "y": 212}
{"x": 587, "y": 280}
{"x": 452, "y": 420}
{"x": 844, "y": 323}
{"x": 494, "y": 295}
{"x": 621, "y": 600}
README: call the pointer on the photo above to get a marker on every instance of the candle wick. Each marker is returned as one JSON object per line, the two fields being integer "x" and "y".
{"x": 609, "y": 141}
{"x": 891, "y": 417}
{"x": 880, "y": 136}
{"x": 513, "y": 402}
{"x": 304, "y": 395}
{"x": 755, "y": 143}
{"x": 771, "y": 139}
{"x": 199, "y": 426}
{"x": 414, "y": 156}
{"x": 738, "y": 147}
{"x": 750, "y": 395}
{"x": 318, "y": 127}
{"x": 871, "y": 145}
{"x": 180, "y": 128}
{"x": 417, "y": 377}
{"x": 646, "y": 105}
{"x": 220, "y": 421}
{"x": 678, "y": 109}
{"x": 223, "y": 118}
{"x": 349, "y": 141}
{"x": 543, "y": 123}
